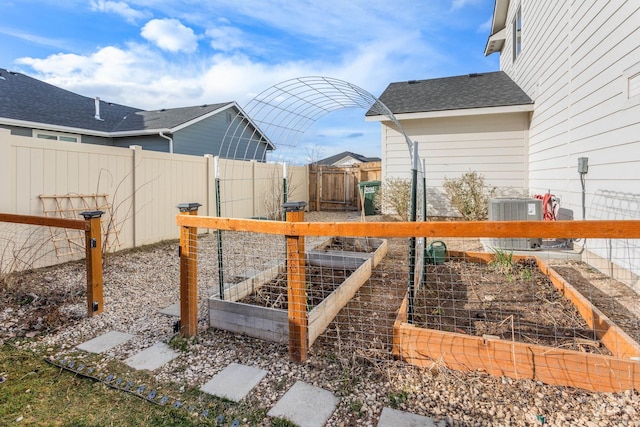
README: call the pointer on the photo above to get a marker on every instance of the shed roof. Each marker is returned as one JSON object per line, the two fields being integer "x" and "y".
{"x": 478, "y": 90}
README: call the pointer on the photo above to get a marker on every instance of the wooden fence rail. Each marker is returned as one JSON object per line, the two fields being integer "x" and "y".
{"x": 628, "y": 229}
{"x": 93, "y": 249}
{"x": 421, "y": 346}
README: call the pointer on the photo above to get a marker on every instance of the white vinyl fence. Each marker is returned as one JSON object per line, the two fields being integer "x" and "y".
{"x": 141, "y": 187}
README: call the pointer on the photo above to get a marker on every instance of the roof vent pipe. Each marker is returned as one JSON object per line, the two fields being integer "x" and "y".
{"x": 97, "y": 116}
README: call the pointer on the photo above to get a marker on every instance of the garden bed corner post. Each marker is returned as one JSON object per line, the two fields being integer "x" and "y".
{"x": 296, "y": 286}
{"x": 188, "y": 273}
{"x": 93, "y": 248}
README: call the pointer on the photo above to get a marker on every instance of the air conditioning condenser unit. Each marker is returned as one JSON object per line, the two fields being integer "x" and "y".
{"x": 503, "y": 209}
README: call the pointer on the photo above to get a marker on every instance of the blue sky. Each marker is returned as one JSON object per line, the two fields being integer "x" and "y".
{"x": 156, "y": 54}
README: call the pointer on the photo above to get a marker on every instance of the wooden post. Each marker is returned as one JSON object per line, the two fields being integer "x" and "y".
{"x": 188, "y": 273}
{"x": 93, "y": 259}
{"x": 296, "y": 286}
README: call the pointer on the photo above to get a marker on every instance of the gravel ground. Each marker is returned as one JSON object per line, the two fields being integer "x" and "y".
{"x": 138, "y": 283}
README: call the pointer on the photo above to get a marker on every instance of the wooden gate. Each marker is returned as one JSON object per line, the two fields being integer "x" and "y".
{"x": 334, "y": 188}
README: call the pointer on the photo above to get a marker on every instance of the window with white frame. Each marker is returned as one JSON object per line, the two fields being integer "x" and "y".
{"x": 517, "y": 33}
{"x": 55, "y": 136}
{"x": 631, "y": 81}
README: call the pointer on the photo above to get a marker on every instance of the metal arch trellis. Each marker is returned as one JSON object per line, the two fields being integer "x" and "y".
{"x": 286, "y": 110}
{"x": 281, "y": 114}
{"x": 294, "y": 105}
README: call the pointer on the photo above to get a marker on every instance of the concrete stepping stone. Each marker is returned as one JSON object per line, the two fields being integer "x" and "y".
{"x": 234, "y": 382}
{"x": 392, "y": 418}
{"x": 306, "y": 405}
{"x": 104, "y": 342}
{"x": 153, "y": 357}
{"x": 172, "y": 310}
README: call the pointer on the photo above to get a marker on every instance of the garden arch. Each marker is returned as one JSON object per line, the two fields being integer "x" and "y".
{"x": 284, "y": 112}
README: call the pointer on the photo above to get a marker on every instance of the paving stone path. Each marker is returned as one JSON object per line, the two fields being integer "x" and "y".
{"x": 303, "y": 404}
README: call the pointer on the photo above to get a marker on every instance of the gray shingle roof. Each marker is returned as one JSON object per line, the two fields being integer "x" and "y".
{"x": 332, "y": 159}
{"x": 166, "y": 118}
{"x": 480, "y": 90}
{"x": 27, "y": 99}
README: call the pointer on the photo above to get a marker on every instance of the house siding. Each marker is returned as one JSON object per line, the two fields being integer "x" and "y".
{"x": 147, "y": 142}
{"x": 495, "y": 146}
{"x": 573, "y": 64}
{"x": 97, "y": 140}
{"x": 18, "y": 131}
{"x": 210, "y": 136}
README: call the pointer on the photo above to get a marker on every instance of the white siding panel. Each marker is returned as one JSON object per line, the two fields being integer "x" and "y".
{"x": 576, "y": 60}
{"x": 494, "y": 146}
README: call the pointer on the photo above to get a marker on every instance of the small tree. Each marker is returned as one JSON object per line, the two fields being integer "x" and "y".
{"x": 395, "y": 194}
{"x": 274, "y": 193}
{"x": 469, "y": 195}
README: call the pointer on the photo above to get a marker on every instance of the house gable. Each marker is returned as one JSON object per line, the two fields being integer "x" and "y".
{"x": 228, "y": 135}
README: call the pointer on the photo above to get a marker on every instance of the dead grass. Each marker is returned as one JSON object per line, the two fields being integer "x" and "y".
{"x": 32, "y": 391}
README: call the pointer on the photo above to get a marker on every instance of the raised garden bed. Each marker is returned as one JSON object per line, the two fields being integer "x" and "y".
{"x": 258, "y": 306}
{"x": 524, "y": 322}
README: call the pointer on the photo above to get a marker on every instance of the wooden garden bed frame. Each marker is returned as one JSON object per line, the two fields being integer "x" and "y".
{"x": 271, "y": 324}
{"x": 556, "y": 366}
{"x": 295, "y": 230}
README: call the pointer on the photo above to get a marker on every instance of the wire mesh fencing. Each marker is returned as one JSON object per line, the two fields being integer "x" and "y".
{"x": 25, "y": 247}
{"x": 544, "y": 314}
{"x": 31, "y": 244}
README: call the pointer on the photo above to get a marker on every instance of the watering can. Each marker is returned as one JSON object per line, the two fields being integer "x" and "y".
{"x": 437, "y": 252}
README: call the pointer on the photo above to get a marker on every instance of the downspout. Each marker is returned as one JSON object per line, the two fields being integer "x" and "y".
{"x": 168, "y": 138}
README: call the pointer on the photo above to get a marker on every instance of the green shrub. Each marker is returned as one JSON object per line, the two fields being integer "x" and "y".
{"x": 469, "y": 195}
{"x": 395, "y": 194}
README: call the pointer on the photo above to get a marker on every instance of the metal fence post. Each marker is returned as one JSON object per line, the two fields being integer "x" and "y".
{"x": 296, "y": 286}
{"x": 93, "y": 259}
{"x": 188, "y": 273}
{"x": 412, "y": 240}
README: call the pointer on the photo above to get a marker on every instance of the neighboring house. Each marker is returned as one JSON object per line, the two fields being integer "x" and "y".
{"x": 30, "y": 107}
{"x": 346, "y": 158}
{"x": 579, "y": 62}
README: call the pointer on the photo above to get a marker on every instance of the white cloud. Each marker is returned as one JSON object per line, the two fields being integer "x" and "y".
{"x": 119, "y": 8}
{"x": 170, "y": 35}
{"x": 485, "y": 27}
{"x": 65, "y": 64}
{"x": 459, "y": 4}
{"x": 226, "y": 38}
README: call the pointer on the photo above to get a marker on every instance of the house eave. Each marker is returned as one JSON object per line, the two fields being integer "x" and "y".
{"x": 498, "y": 27}
{"x": 80, "y": 131}
{"x": 203, "y": 117}
{"x": 53, "y": 128}
{"x": 510, "y": 109}
{"x": 495, "y": 42}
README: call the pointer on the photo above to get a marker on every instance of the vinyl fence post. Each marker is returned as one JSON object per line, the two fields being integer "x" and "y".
{"x": 93, "y": 259}
{"x": 188, "y": 273}
{"x": 296, "y": 286}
